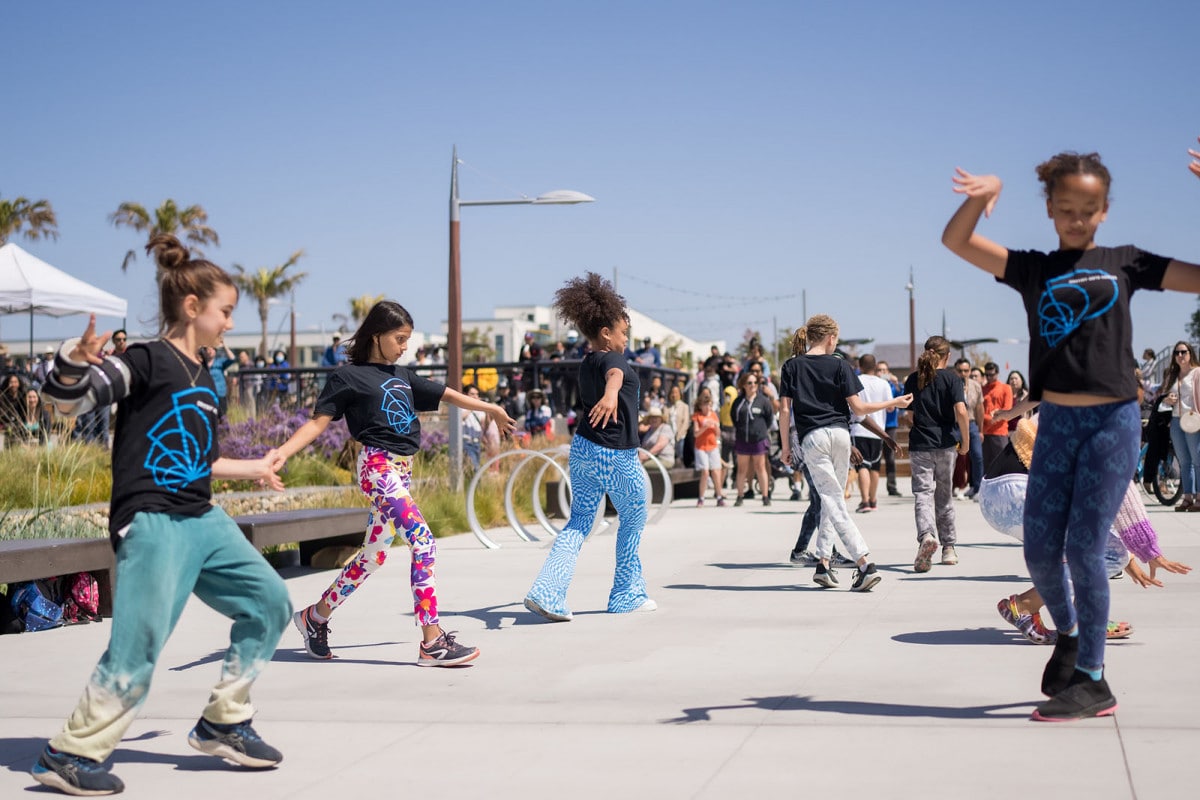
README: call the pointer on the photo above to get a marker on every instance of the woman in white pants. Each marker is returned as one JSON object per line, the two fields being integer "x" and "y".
{"x": 819, "y": 391}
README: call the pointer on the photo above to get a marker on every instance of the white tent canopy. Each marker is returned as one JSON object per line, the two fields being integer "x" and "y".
{"x": 30, "y": 285}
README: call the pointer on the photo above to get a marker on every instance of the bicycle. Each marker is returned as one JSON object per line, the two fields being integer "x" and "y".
{"x": 1168, "y": 484}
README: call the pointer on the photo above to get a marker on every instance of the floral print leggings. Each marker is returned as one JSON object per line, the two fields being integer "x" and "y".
{"x": 385, "y": 479}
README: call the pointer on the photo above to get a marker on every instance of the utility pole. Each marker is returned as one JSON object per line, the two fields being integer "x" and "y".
{"x": 912, "y": 322}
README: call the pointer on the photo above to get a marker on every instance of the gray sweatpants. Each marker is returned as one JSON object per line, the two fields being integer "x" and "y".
{"x": 932, "y": 485}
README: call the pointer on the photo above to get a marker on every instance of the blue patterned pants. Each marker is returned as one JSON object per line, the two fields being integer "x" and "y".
{"x": 596, "y": 471}
{"x": 1080, "y": 471}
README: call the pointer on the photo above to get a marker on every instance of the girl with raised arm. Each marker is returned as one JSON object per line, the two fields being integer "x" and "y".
{"x": 171, "y": 541}
{"x": 1082, "y": 370}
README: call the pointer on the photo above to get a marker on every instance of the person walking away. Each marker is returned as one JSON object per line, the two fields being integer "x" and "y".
{"x": 939, "y": 432}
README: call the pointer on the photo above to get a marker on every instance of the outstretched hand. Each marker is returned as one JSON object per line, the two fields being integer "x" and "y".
{"x": 504, "y": 423}
{"x": 90, "y": 345}
{"x": 1195, "y": 165}
{"x": 903, "y": 401}
{"x": 1162, "y": 562}
{"x": 986, "y": 187}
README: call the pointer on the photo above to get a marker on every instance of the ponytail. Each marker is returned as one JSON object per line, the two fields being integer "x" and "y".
{"x": 937, "y": 349}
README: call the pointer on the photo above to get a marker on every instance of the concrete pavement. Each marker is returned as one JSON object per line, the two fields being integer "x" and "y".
{"x": 748, "y": 681}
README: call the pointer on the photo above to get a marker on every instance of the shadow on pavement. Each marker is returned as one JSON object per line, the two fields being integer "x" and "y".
{"x": 963, "y": 636}
{"x": 855, "y": 707}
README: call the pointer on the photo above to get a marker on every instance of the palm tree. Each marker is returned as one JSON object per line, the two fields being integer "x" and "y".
{"x": 33, "y": 220}
{"x": 189, "y": 224}
{"x": 359, "y": 306}
{"x": 266, "y": 284}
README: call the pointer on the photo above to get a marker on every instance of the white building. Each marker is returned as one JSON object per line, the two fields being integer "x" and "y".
{"x": 506, "y": 330}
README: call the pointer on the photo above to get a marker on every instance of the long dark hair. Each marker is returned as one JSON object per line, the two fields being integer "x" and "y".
{"x": 1173, "y": 370}
{"x": 384, "y": 316}
{"x": 936, "y": 349}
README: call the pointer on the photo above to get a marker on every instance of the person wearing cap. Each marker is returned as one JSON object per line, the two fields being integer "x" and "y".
{"x": 647, "y": 355}
{"x": 657, "y": 439}
{"x": 538, "y": 416}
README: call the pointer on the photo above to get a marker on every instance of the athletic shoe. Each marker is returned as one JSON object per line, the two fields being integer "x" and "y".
{"x": 805, "y": 558}
{"x": 1118, "y": 630}
{"x": 238, "y": 744}
{"x": 895, "y": 493}
{"x": 863, "y": 508}
{"x": 874, "y": 505}
{"x": 445, "y": 652}
{"x": 924, "y": 559}
{"x": 795, "y": 495}
{"x": 1061, "y": 666}
{"x": 738, "y": 502}
{"x": 1082, "y": 698}
{"x": 766, "y": 499}
{"x": 826, "y": 577}
{"x": 720, "y": 502}
{"x": 865, "y": 579}
{"x": 75, "y": 775}
{"x": 1030, "y": 625}
{"x": 841, "y": 560}
{"x": 316, "y": 634}
{"x": 970, "y": 493}
{"x": 647, "y": 605}
{"x": 553, "y": 616}
{"x": 700, "y": 502}
{"x": 949, "y": 556}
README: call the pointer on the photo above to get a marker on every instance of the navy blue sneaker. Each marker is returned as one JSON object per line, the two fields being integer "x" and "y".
{"x": 75, "y": 775}
{"x": 238, "y": 744}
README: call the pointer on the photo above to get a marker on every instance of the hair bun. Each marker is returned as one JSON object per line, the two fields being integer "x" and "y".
{"x": 168, "y": 251}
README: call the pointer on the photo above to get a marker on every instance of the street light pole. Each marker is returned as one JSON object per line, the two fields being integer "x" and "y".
{"x": 912, "y": 323}
{"x": 454, "y": 361}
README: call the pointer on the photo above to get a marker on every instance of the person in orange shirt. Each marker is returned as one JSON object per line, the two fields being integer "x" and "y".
{"x": 708, "y": 451}
{"x": 997, "y": 396}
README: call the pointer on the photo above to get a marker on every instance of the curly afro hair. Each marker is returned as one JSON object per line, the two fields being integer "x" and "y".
{"x": 589, "y": 304}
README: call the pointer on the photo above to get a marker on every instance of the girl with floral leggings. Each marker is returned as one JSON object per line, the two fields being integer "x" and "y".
{"x": 380, "y": 401}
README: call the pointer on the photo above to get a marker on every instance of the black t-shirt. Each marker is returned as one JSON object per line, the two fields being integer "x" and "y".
{"x": 1007, "y": 463}
{"x": 1080, "y": 331}
{"x": 620, "y": 433}
{"x": 166, "y": 436}
{"x": 380, "y": 403}
{"x": 934, "y": 425}
{"x": 818, "y": 387}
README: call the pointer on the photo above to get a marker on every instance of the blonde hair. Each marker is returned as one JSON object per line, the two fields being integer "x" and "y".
{"x": 818, "y": 327}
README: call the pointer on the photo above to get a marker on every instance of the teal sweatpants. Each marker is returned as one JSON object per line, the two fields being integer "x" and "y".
{"x": 161, "y": 561}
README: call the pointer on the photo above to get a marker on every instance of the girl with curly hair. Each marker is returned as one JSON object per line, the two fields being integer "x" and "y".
{"x": 604, "y": 454}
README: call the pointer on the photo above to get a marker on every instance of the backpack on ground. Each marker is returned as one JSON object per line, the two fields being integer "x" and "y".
{"x": 80, "y": 598}
{"x": 33, "y": 607}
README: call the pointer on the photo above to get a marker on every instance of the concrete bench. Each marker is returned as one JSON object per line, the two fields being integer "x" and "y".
{"x": 311, "y": 528}
{"x": 34, "y": 559}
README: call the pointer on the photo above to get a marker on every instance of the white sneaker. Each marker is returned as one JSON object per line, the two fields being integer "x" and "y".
{"x": 649, "y": 605}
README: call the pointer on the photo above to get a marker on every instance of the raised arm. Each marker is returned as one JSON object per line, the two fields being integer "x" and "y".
{"x": 1182, "y": 276}
{"x": 982, "y": 192}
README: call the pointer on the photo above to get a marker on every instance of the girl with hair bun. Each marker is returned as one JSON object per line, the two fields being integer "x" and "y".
{"x": 604, "y": 454}
{"x": 940, "y": 431}
{"x": 380, "y": 402}
{"x": 819, "y": 391}
{"x": 1082, "y": 369}
{"x": 170, "y": 540}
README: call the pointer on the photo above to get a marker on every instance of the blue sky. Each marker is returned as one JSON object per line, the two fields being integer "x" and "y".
{"x": 748, "y": 150}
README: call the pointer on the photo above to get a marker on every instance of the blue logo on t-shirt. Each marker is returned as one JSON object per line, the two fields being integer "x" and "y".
{"x": 1072, "y": 299}
{"x": 182, "y": 440}
{"x": 397, "y": 405}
